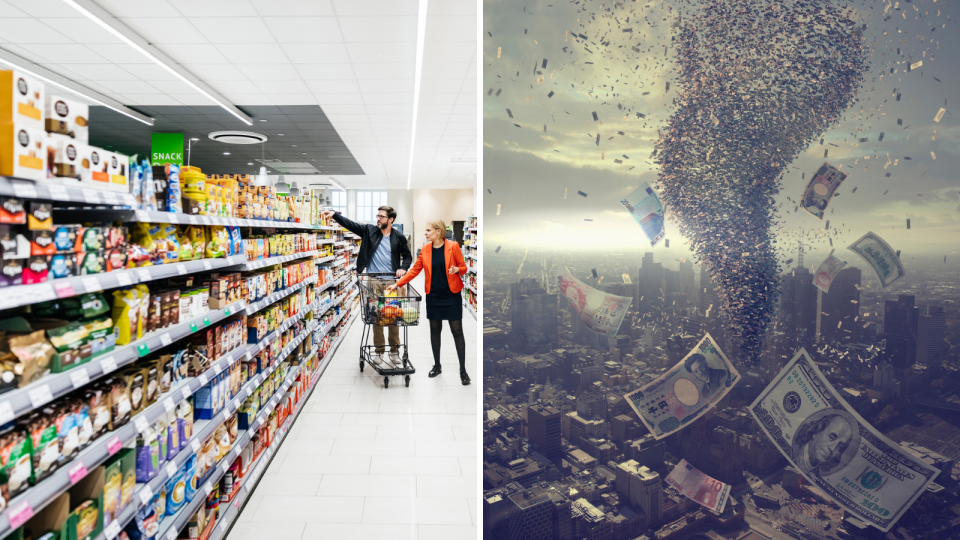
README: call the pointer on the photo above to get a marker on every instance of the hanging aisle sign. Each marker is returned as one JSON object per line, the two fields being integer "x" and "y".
{"x": 166, "y": 148}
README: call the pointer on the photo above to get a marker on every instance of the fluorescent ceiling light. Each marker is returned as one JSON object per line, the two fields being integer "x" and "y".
{"x": 59, "y": 81}
{"x": 334, "y": 182}
{"x": 103, "y": 18}
{"x": 421, "y": 31}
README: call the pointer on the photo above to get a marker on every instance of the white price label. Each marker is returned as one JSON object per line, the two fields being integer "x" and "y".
{"x": 112, "y": 530}
{"x": 195, "y": 444}
{"x": 229, "y": 260}
{"x": 193, "y": 220}
{"x": 57, "y": 192}
{"x": 91, "y": 284}
{"x": 226, "y": 414}
{"x": 207, "y": 265}
{"x": 108, "y": 365}
{"x": 123, "y": 278}
{"x": 207, "y": 488}
{"x": 40, "y": 396}
{"x": 165, "y": 339}
{"x": 110, "y": 198}
{"x": 217, "y": 369}
{"x": 225, "y": 466}
{"x": 172, "y": 534}
{"x": 79, "y": 377}
{"x": 181, "y": 269}
{"x": 146, "y": 494}
{"x": 171, "y": 469}
{"x": 91, "y": 196}
{"x": 168, "y": 405}
{"x": 6, "y": 412}
{"x": 144, "y": 274}
{"x": 249, "y": 392}
{"x": 203, "y": 379}
{"x": 186, "y": 392}
{"x": 24, "y": 190}
{"x": 141, "y": 424}
{"x": 142, "y": 216}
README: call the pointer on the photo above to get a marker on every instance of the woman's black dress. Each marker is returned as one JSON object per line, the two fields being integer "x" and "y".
{"x": 442, "y": 304}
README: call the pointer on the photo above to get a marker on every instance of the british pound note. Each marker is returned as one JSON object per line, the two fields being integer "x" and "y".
{"x": 601, "y": 312}
{"x": 879, "y": 255}
{"x": 702, "y": 489}
{"x": 821, "y": 188}
{"x": 645, "y": 208}
{"x": 827, "y": 271}
{"x": 870, "y": 476}
{"x": 686, "y": 391}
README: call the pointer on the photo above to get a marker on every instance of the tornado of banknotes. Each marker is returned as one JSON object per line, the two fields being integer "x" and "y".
{"x": 759, "y": 81}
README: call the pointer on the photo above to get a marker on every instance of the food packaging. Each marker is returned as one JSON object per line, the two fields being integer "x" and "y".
{"x": 21, "y": 99}
{"x": 23, "y": 151}
{"x": 67, "y": 117}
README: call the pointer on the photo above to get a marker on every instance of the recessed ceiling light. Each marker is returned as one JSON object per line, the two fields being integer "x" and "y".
{"x": 226, "y": 153}
{"x": 294, "y": 145}
{"x": 194, "y": 139}
{"x": 280, "y": 134}
{"x": 237, "y": 137}
{"x": 304, "y": 153}
{"x": 249, "y": 163}
{"x": 263, "y": 120}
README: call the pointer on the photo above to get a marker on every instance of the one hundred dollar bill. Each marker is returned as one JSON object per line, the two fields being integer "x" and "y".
{"x": 867, "y": 474}
{"x": 878, "y": 254}
{"x": 601, "y": 312}
{"x": 827, "y": 271}
{"x": 820, "y": 190}
{"x": 695, "y": 485}
{"x": 685, "y": 392}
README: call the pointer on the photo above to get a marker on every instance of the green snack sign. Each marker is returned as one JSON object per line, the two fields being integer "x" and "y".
{"x": 166, "y": 148}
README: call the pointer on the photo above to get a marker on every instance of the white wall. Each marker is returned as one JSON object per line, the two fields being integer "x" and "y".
{"x": 447, "y": 204}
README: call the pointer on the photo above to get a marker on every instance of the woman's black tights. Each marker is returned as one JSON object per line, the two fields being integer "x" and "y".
{"x": 456, "y": 328}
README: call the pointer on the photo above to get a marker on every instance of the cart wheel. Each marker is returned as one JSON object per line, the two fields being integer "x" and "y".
{"x": 408, "y": 380}
{"x": 361, "y": 366}
{"x": 386, "y": 382}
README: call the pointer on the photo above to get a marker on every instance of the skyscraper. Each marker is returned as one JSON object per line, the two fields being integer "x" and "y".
{"x": 687, "y": 286}
{"x": 544, "y": 424}
{"x": 534, "y": 315}
{"x": 642, "y": 488}
{"x": 930, "y": 336}
{"x": 592, "y": 406}
{"x": 900, "y": 320}
{"x": 531, "y": 516}
{"x": 838, "y": 309}
{"x": 798, "y": 307}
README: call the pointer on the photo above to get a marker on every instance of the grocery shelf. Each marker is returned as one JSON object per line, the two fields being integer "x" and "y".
{"x": 257, "y": 306}
{"x": 466, "y": 286}
{"x": 50, "y": 191}
{"x": 71, "y": 215}
{"x": 472, "y": 270}
{"x": 471, "y": 257}
{"x": 471, "y": 310}
{"x": 471, "y": 228}
{"x": 255, "y": 264}
{"x": 38, "y": 496}
{"x": 23, "y": 400}
{"x": 228, "y": 517}
{"x": 322, "y": 241}
{"x": 23, "y": 295}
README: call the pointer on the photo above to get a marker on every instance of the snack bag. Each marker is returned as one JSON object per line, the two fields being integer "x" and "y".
{"x": 126, "y": 314}
{"x": 187, "y": 252}
{"x": 197, "y": 237}
{"x": 143, "y": 303}
{"x": 173, "y": 189}
{"x": 216, "y": 242}
{"x": 147, "y": 188}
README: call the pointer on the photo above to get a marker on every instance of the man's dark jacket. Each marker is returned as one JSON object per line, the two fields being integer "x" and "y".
{"x": 370, "y": 237}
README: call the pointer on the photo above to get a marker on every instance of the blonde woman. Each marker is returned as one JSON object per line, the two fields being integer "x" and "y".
{"x": 442, "y": 263}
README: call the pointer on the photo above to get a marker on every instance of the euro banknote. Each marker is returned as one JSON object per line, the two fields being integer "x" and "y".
{"x": 706, "y": 491}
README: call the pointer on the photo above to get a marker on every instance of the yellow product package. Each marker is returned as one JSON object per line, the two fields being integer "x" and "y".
{"x": 126, "y": 314}
{"x": 143, "y": 300}
{"x": 216, "y": 242}
{"x": 169, "y": 237}
{"x": 198, "y": 238}
{"x": 186, "y": 247}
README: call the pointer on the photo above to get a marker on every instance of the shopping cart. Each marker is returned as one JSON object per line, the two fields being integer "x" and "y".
{"x": 379, "y": 308}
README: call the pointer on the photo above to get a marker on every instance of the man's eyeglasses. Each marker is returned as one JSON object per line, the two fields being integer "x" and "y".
{"x": 382, "y": 217}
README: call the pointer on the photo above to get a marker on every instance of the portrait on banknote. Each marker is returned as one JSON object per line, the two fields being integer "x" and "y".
{"x": 826, "y": 442}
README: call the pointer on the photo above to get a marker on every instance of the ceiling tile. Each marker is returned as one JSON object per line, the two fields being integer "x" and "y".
{"x": 333, "y": 86}
{"x": 214, "y": 8}
{"x": 378, "y": 29}
{"x": 176, "y": 87}
{"x": 6, "y": 10}
{"x": 31, "y": 30}
{"x": 429, "y": 98}
{"x": 45, "y": 8}
{"x": 448, "y": 28}
{"x": 270, "y": 72}
{"x": 139, "y": 8}
{"x": 447, "y": 51}
{"x": 293, "y": 99}
{"x": 325, "y": 71}
{"x": 158, "y": 30}
{"x": 304, "y": 29}
{"x": 338, "y": 99}
{"x": 386, "y": 85}
{"x": 284, "y": 87}
{"x": 247, "y": 98}
{"x": 466, "y": 98}
{"x": 316, "y": 53}
{"x": 441, "y": 85}
{"x": 364, "y": 53}
{"x": 99, "y": 72}
{"x": 348, "y": 108}
{"x": 388, "y": 98}
{"x": 194, "y": 53}
{"x": 119, "y": 54}
{"x": 381, "y": 7}
{"x": 384, "y": 71}
{"x": 79, "y": 30}
{"x": 444, "y": 70}
{"x": 149, "y": 72}
{"x": 216, "y": 72}
{"x": 295, "y": 8}
{"x": 68, "y": 54}
{"x": 250, "y": 53}
{"x": 190, "y": 98}
{"x": 148, "y": 99}
{"x": 243, "y": 87}
{"x": 453, "y": 7}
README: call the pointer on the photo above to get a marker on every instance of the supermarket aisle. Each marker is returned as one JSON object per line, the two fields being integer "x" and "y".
{"x": 367, "y": 462}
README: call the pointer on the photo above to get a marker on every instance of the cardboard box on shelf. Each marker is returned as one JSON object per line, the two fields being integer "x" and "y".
{"x": 99, "y": 168}
{"x": 21, "y": 99}
{"x": 23, "y": 152}
{"x": 118, "y": 170}
{"x": 64, "y": 157}
{"x": 67, "y": 116}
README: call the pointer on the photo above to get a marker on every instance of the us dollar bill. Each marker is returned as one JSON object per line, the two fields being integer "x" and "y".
{"x": 867, "y": 474}
{"x": 828, "y": 270}
{"x": 685, "y": 392}
{"x": 820, "y": 190}
{"x": 879, "y": 255}
{"x": 693, "y": 484}
{"x": 601, "y": 312}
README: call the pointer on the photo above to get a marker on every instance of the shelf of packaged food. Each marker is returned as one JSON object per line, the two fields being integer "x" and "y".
{"x": 471, "y": 228}
{"x": 39, "y": 495}
{"x": 328, "y": 227}
{"x": 350, "y": 235}
{"x": 471, "y": 257}
{"x": 470, "y": 287}
{"x": 472, "y": 270}
{"x": 471, "y": 310}
{"x": 257, "y": 306}
{"x": 338, "y": 262}
{"x": 322, "y": 241}
{"x": 255, "y": 264}
{"x": 49, "y": 191}
{"x": 63, "y": 215}
{"x": 229, "y": 516}
{"x": 38, "y": 393}
{"x": 23, "y": 295}
{"x": 340, "y": 243}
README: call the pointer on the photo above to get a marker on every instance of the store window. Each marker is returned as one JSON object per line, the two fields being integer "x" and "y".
{"x": 338, "y": 201}
{"x": 367, "y": 204}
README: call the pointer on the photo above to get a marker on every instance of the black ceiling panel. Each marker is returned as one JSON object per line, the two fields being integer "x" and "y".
{"x": 303, "y": 125}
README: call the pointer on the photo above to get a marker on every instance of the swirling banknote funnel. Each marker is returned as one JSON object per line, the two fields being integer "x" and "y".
{"x": 759, "y": 81}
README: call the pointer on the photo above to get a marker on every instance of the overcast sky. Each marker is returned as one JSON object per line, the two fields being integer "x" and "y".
{"x": 528, "y": 169}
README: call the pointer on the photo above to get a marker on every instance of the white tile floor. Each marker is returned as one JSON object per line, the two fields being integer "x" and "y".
{"x": 368, "y": 463}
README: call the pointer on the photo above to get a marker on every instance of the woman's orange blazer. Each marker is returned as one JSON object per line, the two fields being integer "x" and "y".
{"x": 452, "y": 257}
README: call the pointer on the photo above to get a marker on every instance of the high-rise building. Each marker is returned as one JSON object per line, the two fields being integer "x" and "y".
{"x": 709, "y": 295}
{"x": 544, "y": 431}
{"x": 687, "y": 286}
{"x": 592, "y": 406}
{"x": 531, "y": 516}
{"x": 650, "y": 284}
{"x": 900, "y": 320}
{"x": 838, "y": 310}
{"x": 534, "y": 315}
{"x": 798, "y": 307}
{"x": 641, "y": 486}
{"x": 883, "y": 376}
{"x": 930, "y": 344}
